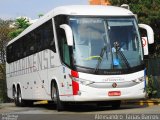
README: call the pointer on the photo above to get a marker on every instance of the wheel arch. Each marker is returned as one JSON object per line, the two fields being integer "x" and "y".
{"x": 55, "y": 82}
{"x": 20, "y": 88}
{"x": 14, "y": 86}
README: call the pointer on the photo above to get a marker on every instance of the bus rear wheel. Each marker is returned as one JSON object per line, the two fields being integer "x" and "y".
{"x": 19, "y": 98}
{"x": 20, "y": 101}
{"x": 55, "y": 97}
{"x": 15, "y": 96}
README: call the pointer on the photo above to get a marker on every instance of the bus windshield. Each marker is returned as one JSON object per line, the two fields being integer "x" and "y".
{"x": 106, "y": 43}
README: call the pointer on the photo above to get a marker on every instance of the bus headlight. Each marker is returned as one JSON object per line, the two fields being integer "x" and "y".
{"x": 85, "y": 82}
{"x": 139, "y": 80}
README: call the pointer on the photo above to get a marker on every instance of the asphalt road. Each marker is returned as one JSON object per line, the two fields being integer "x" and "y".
{"x": 78, "y": 112}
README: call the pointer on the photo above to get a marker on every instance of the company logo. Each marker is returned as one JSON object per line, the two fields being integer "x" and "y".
{"x": 114, "y": 85}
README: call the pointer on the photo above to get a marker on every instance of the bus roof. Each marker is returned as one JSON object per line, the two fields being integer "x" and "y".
{"x": 91, "y": 10}
{"x": 86, "y": 10}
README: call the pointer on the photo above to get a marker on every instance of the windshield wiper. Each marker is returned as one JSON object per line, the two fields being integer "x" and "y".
{"x": 116, "y": 46}
{"x": 100, "y": 59}
{"x": 125, "y": 59}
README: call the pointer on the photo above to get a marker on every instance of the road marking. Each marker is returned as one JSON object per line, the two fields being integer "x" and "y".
{"x": 150, "y": 102}
{"x": 141, "y": 102}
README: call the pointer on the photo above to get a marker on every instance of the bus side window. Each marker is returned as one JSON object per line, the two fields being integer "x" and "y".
{"x": 18, "y": 50}
{"x": 25, "y": 45}
{"x": 52, "y": 41}
{"x": 10, "y": 53}
{"x": 39, "y": 41}
{"x": 47, "y": 36}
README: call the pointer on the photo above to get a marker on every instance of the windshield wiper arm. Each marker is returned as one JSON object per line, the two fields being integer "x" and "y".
{"x": 100, "y": 58}
{"x": 125, "y": 59}
{"x": 116, "y": 46}
{"x": 118, "y": 50}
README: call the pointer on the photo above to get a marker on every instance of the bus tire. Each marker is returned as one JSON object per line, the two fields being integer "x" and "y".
{"x": 55, "y": 97}
{"x": 116, "y": 104}
{"x": 20, "y": 101}
{"x": 15, "y": 96}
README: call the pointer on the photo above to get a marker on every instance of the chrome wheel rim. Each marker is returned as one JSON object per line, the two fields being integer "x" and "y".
{"x": 19, "y": 97}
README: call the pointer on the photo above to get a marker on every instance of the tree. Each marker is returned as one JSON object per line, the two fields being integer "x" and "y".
{"x": 4, "y": 38}
{"x": 19, "y": 26}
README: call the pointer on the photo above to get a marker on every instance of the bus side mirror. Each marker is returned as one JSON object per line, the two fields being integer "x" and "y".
{"x": 148, "y": 38}
{"x": 150, "y": 33}
{"x": 69, "y": 34}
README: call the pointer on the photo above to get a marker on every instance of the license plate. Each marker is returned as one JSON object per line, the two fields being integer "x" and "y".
{"x": 114, "y": 93}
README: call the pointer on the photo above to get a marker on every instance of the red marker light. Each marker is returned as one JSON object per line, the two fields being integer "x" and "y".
{"x": 74, "y": 74}
{"x": 75, "y": 84}
{"x": 75, "y": 87}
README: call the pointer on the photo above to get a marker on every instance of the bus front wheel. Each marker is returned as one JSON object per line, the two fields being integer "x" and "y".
{"x": 55, "y": 97}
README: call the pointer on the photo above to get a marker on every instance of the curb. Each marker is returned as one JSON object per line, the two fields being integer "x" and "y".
{"x": 142, "y": 102}
{"x": 41, "y": 102}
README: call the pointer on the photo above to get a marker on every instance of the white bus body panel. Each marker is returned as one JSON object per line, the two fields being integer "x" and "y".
{"x": 88, "y": 93}
{"x": 34, "y": 75}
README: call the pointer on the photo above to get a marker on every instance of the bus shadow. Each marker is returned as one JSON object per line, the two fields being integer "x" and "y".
{"x": 89, "y": 107}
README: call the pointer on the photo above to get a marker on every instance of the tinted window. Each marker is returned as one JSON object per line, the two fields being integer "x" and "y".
{"x": 37, "y": 40}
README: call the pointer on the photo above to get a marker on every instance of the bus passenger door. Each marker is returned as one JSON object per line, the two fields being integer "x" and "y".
{"x": 66, "y": 59}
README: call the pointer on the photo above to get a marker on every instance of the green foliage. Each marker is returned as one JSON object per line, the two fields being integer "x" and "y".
{"x": 151, "y": 90}
{"x": 15, "y": 33}
{"x": 20, "y": 25}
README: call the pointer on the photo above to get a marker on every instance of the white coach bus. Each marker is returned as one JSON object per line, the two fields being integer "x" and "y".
{"x": 78, "y": 54}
